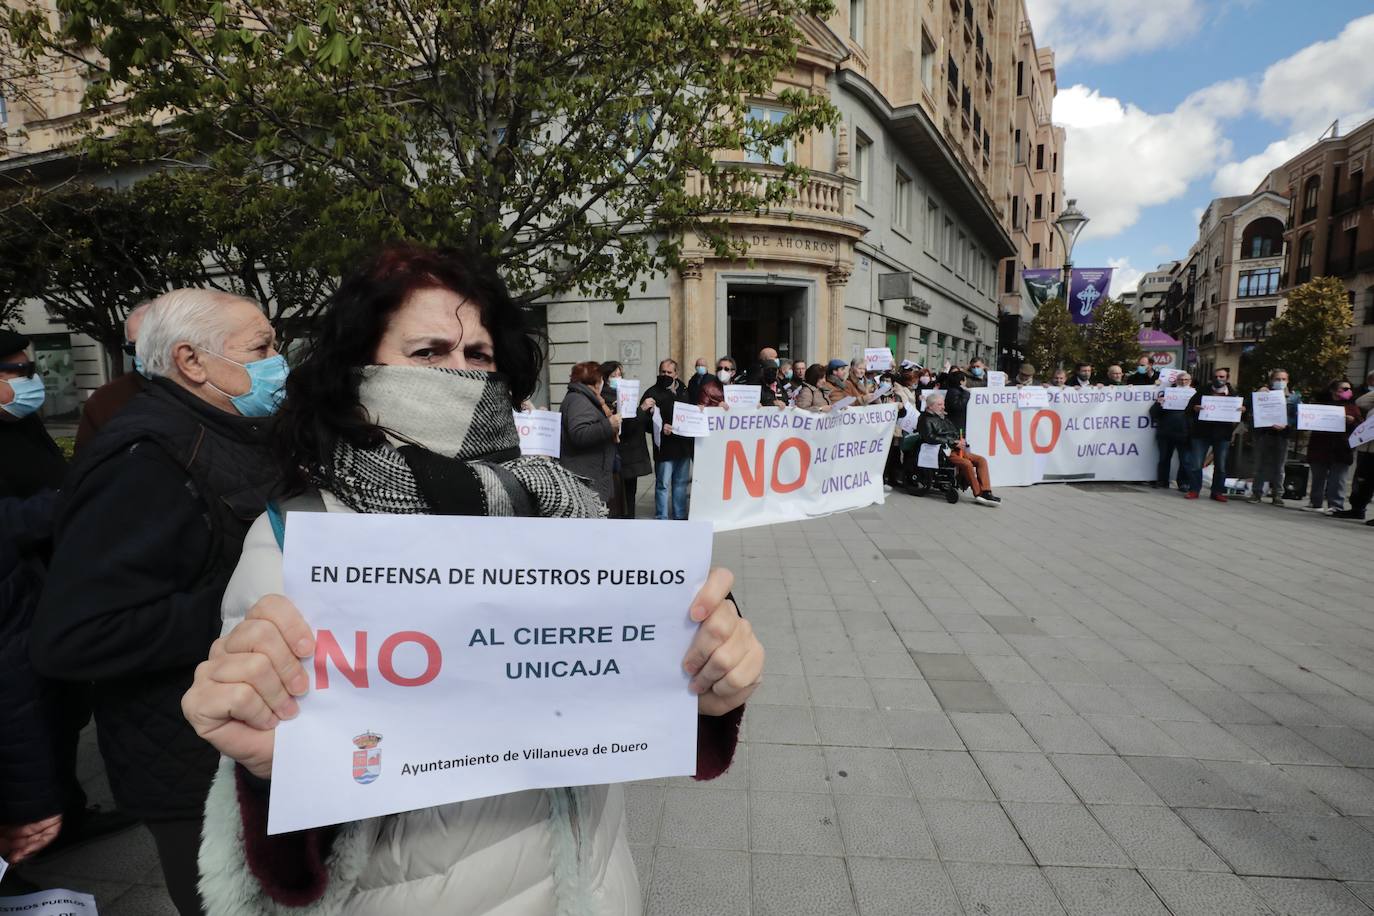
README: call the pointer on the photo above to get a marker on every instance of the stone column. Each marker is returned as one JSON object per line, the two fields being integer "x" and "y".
{"x": 836, "y": 279}
{"x": 692, "y": 319}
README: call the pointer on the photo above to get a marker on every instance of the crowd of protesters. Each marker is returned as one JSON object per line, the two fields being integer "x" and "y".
{"x": 141, "y": 585}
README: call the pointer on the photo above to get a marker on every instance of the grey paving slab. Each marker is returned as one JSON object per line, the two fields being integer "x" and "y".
{"x": 787, "y": 768}
{"x": 1064, "y": 734}
{"x": 945, "y": 775}
{"x": 1003, "y": 890}
{"x": 1203, "y": 894}
{"x": 892, "y": 887}
{"x": 1265, "y": 787}
{"x": 1104, "y": 780}
{"x": 1252, "y": 844}
{"x": 1343, "y": 846}
{"x": 967, "y": 696}
{"x": 1095, "y": 891}
{"x": 1023, "y": 776}
{"x": 793, "y": 822}
{"x": 903, "y": 693}
{"x": 1305, "y": 897}
{"x": 693, "y": 881}
{"x": 1281, "y": 744}
{"x": 967, "y": 831}
{"x": 852, "y": 727}
{"x": 1185, "y": 783}
{"x": 1155, "y": 837}
{"x": 865, "y": 771}
{"x": 801, "y": 886}
{"x": 1349, "y": 791}
{"x": 883, "y": 826}
{"x": 1064, "y": 834}
{"x": 704, "y": 819}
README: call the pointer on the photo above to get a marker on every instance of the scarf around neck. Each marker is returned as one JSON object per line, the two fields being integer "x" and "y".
{"x": 451, "y": 449}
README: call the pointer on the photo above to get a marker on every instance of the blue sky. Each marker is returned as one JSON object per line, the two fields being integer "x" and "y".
{"x": 1170, "y": 103}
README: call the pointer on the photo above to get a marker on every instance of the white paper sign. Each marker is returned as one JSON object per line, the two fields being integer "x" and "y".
{"x": 657, "y": 422}
{"x": 1325, "y": 418}
{"x": 627, "y": 397}
{"x": 1271, "y": 409}
{"x": 1178, "y": 398}
{"x": 877, "y": 359}
{"x": 928, "y": 393}
{"x": 843, "y": 402}
{"x": 929, "y": 456}
{"x": 49, "y": 903}
{"x": 737, "y": 396}
{"x": 1030, "y": 397}
{"x": 883, "y": 390}
{"x": 1362, "y": 433}
{"x": 689, "y": 421}
{"x": 1217, "y": 409}
{"x": 997, "y": 379}
{"x": 1167, "y": 375}
{"x": 4, "y": 867}
{"x": 907, "y": 421}
{"x": 541, "y": 432}
{"x": 460, "y": 658}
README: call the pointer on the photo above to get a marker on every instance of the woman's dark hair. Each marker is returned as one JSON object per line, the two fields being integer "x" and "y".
{"x": 1336, "y": 383}
{"x": 588, "y": 373}
{"x": 955, "y": 378}
{"x": 769, "y": 375}
{"x": 609, "y": 368}
{"x": 814, "y": 373}
{"x": 711, "y": 393}
{"x": 321, "y": 405}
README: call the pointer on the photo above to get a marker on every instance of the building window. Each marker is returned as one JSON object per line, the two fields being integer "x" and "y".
{"x": 927, "y": 61}
{"x": 1017, "y": 143}
{"x": 1009, "y": 281}
{"x": 1016, "y": 211}
{"x": 1035, "y": 254}
{"x": 1055, "y": 160}
{"x": 1253, "y": 323}
{"x": 932, "y": 226}
{"x": 856, "y": 20}
{"x": 960, "y": 267}
{"x": 901, "y": 201}
{"x": 765, "y": 118}
{"x": 863, "y": 163}
{"x": 953, "y": 69}
{"x": 1254, "y": 283}
{"x": 1020, "y": 77}
{"x": 1040, "y": 206}
{"x": 1039, "y": 156}
{"x": 1051, "y": 241}
{"x": 1262, "y": 238}
{"x": 1053, "y": 203}
{"x": 1310, "y": 190}
{"x": 949, "y": 242}
{"x": 1304, "y": 259}
{"x": 1369, "y": 305}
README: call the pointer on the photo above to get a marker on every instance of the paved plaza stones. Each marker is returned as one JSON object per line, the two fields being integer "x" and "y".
{"x": 1090, "y": 701}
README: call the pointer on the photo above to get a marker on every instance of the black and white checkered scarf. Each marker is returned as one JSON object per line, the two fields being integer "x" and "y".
{"x": 451, "y": 439}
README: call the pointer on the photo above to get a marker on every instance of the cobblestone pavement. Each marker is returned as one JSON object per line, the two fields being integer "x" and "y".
{"x": 1094, "y": 700}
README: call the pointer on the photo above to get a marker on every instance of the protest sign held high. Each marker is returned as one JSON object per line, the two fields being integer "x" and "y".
{"x": 767, "y": 466}
{"x": 444, "y": 672}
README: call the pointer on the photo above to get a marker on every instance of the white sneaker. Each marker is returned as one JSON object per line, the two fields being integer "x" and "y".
{"x": 1313, "y": 509}
{"x": 983, "y": 502}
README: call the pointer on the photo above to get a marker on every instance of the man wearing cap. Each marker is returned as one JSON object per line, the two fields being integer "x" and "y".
{"x": 835, "y": 373}
{"x": 180, "y": 473}
{"x": 110, "y": 398}
{"x": 1025, "y": 375}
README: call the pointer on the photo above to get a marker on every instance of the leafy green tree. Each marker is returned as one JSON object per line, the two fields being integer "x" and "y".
{"x": 1055, "y": 341}
{"x": 1311, "y": 338}
{"x": 572, "y": 145}
{"x": 1113, "y": 336}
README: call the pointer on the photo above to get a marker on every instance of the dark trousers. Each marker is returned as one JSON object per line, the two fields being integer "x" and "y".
{"x": 1167, "y": 449}
{"x": 629, "y": 488}
{"x": 178, "y": 845}
{"x": 1363, "y": 487}
{"x": 1220, "y": 450}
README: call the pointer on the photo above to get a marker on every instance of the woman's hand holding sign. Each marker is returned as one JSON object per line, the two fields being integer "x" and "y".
{"x": 250, "y": 683}
{"x": 725, "y": 658}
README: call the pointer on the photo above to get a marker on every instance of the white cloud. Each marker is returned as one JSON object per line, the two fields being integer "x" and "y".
{"x": 1125, "y": 278}
{"x": 1162, "y": 250}
{"x": 1111, "y": 29}
{"x": 1120, "y": 158}
{"x": 1324, "y": 81}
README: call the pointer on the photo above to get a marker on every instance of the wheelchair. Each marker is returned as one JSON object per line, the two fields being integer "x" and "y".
{"x": 919, "y": 481}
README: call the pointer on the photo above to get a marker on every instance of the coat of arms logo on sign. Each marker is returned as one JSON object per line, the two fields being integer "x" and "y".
{"x": 367, "y": 760}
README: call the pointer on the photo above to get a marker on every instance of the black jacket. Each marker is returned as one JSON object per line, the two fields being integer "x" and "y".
{"x": 30, "y": 460}
{"x": 956, "y": 406}
{"x": 1135, "y": 378}
{"x": 670, "y": 448}
{"x": 1210, "y": 430}
{"x": 934, "y": 430}
{"x": 633, "y": 448}
{"x": 1172, "y": 424}
{"x": 153, "y": 521}
{"x": 30, "y": 784}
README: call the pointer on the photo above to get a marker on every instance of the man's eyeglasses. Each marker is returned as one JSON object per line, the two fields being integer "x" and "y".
{"x": 129, "y": 349}
{"x": 26, "y": 370}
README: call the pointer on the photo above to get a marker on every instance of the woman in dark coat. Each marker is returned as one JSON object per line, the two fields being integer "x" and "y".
{"x": 632, "y": 449}
{"x": 1329, "y": 454}
{"x": 590, "y": 429}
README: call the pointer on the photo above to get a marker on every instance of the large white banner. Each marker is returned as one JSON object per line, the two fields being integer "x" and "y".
{"x": 1083, "y": 434}
{"x": 765, "y": 466}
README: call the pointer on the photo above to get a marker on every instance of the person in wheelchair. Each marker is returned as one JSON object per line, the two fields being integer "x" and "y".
{"x": 934, "y": 427}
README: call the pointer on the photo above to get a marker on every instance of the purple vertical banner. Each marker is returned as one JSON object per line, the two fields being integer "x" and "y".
{"x": 1086, "y": 289}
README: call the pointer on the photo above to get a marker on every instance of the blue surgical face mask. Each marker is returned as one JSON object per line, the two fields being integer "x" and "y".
{"x": 615, "y": 383}
{"x": 787, "y": 373}
{"x": 1141, "y": 370}
{"x": 777, "y": 362}
{"x": 29, "y": 394}
{"x": 140, "y": 368}
{"x": 701, "y": 370}
{"x": 1277, "y": 385}
{"x": 977, "y": 371}
{"x": 267, "y": 386}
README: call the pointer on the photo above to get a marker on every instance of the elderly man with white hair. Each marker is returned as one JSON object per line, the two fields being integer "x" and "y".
{"x": 155, "y": 513}
{"x": 937, "y": 429}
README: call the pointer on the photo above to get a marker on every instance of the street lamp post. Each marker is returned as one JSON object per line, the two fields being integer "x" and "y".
{"x": 1069, "y": 224}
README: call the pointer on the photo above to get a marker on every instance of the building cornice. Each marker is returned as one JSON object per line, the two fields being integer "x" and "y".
{"x": 921, "y": 139}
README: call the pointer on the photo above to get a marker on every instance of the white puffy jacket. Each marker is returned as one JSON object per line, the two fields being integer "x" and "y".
{"x": 535, "y": 853}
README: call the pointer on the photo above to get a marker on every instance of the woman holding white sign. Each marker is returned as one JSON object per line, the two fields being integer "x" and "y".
{"x": 1329, "y": 453}
{"x": 402, "y": 405}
